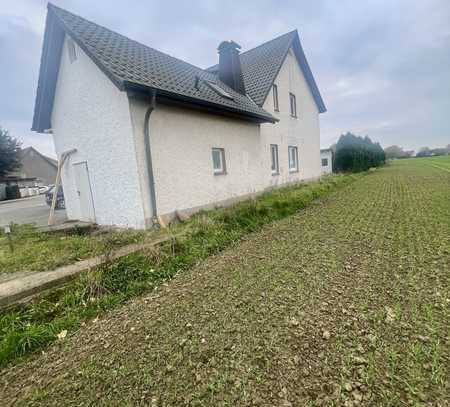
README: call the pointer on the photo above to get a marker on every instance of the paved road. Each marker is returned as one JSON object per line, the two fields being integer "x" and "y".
{"x": 28, "y": 210}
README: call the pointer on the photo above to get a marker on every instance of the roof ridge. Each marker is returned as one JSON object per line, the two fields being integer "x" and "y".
{"x": 258, "y": 46}
{"x": 268, "y": 42}
{"x": 51, "y": 5}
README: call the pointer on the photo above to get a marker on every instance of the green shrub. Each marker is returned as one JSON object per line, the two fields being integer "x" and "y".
{"x": 354, "y": 153}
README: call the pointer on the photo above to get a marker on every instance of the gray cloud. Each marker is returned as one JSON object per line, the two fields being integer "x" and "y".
{"x": 383, "y": 67}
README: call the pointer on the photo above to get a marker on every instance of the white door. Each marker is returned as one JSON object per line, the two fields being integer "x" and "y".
{"x": 84, "y": 192}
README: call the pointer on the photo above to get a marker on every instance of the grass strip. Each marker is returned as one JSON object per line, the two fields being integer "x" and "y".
{"x": 35, "y": 250}
{"x": 29, "y": 327}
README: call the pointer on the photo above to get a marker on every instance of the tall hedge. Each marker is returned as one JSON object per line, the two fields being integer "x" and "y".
{"x": 354, "y": 153}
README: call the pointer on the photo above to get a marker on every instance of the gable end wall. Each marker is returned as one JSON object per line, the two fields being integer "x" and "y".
{"x": 92, "y": 115}
{"x": 303, "y": 131}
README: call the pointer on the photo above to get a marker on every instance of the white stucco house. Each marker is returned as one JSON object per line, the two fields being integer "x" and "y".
{"x": 151, "y": 135}
{"x": 326, "y": 160}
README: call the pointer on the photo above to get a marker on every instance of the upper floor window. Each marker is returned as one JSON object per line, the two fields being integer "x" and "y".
{"x": 274, "y": 159}
{"x": 275, "y": 98}
{"x": 218, "y": 157}
{"x": 293, "y": 158}
{"x": 71, "y": 50}
{"x": 293, "y": 104}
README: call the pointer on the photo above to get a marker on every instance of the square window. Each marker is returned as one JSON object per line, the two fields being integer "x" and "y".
{"x": 274, "y": 159}
{"x": 218, "y": 157}
{"x": 293, "y": 158}
{"x": 293, "y": 104}
{"x": 275, "y": 98}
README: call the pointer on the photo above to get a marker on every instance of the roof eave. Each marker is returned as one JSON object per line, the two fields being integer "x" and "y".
{"x": 166, "y": 96}
{"x": 48, "y": 74}
{"x": 303, "y": 62}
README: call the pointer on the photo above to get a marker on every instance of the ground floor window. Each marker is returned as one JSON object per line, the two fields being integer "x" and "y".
{"x": 324, "y": 162}
{"x": 274, "y": 159}
{"x": 218, "y": 157}
{"x": 293, "y": 158}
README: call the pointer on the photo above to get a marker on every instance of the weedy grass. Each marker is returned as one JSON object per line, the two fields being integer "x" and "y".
{"x": 35, "y": 250}
{"x": 26, "y": 328}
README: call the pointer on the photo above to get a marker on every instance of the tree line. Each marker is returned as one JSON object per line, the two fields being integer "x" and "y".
{"x": 428, "y": 152}
{"x": 398, "y": 152}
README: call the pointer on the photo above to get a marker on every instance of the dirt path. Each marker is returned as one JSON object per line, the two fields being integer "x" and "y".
{"x": 346, "y": 303}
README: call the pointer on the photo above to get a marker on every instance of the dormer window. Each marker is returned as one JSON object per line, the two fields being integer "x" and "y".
{"x": 216, "y": 88}
{"x": 275, "y": 98}
{"x": 293, "y": 104}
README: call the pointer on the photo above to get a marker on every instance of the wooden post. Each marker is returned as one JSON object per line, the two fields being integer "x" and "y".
{"x": 8, "y": 234}
{"x": 64, "y": 155}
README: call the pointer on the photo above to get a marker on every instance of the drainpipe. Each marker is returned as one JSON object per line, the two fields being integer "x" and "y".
{"x": 148, "y": 157}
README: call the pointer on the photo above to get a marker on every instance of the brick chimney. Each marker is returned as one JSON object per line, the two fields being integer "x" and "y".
{"x": 230, "y": 71}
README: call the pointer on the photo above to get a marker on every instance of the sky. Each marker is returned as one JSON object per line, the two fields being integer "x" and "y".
{"x": 383, "y": 66}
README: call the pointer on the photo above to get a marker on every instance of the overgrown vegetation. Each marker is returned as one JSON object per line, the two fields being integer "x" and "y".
{"x": 29, "y": 327}
{"x": 354, "y": 153}
{"x": 35, "y": 250}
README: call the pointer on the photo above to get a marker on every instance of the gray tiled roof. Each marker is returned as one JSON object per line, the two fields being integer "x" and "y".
{"x": 260, "y": 66}
{"x": 128, "y": 62}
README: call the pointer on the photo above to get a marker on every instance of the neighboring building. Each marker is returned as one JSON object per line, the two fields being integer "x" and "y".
{"x": 35, "y": 169}
{"x": 155, "y": 135}
{"x": 326, "y": 160}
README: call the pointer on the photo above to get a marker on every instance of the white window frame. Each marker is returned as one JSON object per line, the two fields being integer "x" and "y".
{"x": 71, "y": 50}
{"x": 274, "y": 162}
{"x": 223, "y": 168}
{"x": 293, "y": 154}
{"x": 293, "y": 104}
{"x": 326, "y": 162}
{"x": 276, "y": 104}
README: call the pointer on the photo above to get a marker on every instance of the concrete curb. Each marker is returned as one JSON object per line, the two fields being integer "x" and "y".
{"x": 25, "y": 287}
